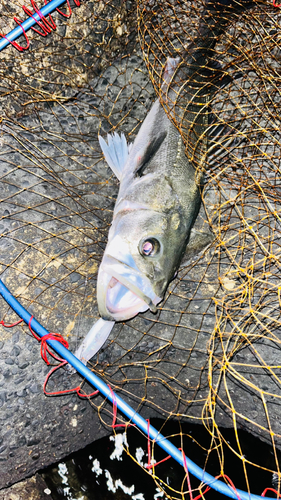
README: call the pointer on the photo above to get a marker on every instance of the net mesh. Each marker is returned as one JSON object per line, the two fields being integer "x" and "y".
{"x": 211, "y": 353}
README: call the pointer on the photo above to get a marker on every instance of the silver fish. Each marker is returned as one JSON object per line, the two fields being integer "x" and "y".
{"x": 157, "y": 204}
{"x": 159, "y": 195}
{"x": 160, "y": 179}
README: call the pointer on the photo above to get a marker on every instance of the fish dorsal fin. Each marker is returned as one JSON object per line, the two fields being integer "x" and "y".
{"x": 115, "y": 152}
{"x": 145, "y": 156}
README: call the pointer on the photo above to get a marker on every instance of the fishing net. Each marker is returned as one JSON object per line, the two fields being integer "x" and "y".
{"x": 211, "y": 353}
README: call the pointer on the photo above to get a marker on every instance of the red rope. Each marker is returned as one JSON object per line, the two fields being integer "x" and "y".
{"x": 10, "y": 326}
{"x": 66, "y": 391}
{"x": 46, "y": 25}
{"x": 209, "y": 487}
{"x": 203, "y": 492}
{"x": 148, "y": 447}
{"x": 200, "y": 496}
{"x": 50, "y": 22}
{"x": 150, "y": 466}
{"x": 187, "y": 474}
{"x": 77, "y": 2}
{"x": 46, "y": 350}
{"x": 114, "y": 407}
{"x": 270, "y": 489}
{"x": 44, "y": 346}
{"x": 231, "y": 484}
{"x": 15, "y": 44}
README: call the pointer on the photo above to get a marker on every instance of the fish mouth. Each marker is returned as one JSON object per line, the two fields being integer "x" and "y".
{"x": 122, "y": 291}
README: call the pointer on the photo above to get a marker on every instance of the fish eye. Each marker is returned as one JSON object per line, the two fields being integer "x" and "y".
{"x": 149, "y": 247}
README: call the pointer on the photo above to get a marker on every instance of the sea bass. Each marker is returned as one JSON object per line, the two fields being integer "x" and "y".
{"x": 160, "y": 182}
{"x": 159, "y": 194}
{"x": 157, "y": 204}
{"x": 160, "y": 178}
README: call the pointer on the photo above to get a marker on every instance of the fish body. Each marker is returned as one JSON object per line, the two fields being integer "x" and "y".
{"x": 160, "y": 178}
{"x": 160, "y": 181}
{"x": 157, "y": 204}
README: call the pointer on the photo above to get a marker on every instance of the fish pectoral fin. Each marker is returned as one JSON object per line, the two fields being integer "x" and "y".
{"x": 198, "y": 241}
{"x": 115, "y": 152}
{"x": 148, "y": 153}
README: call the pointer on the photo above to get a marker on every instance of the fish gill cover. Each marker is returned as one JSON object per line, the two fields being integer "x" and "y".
{"x": 211, "y": 353}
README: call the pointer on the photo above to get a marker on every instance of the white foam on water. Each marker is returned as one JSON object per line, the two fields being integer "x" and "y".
{"x": 96, "y": 467}
{"x": 139, "y": 496}
{"x": 120, "y": 440}
{"x": 62, "y": 471}
{"x": 139, "y": 456}
{"x": 158, "y": 494}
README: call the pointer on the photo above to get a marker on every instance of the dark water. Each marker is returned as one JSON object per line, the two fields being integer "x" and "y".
{"x": 91, "y": 474}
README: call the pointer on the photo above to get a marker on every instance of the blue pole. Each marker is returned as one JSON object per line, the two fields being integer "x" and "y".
{"x": 29, "y": 22}
{"x": 139, "y": 421}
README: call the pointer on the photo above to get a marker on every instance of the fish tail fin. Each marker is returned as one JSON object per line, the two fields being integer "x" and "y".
{"x": 93, "y": 341}
{"x": 116, "y": 152}
{"x": 169, "y": 70}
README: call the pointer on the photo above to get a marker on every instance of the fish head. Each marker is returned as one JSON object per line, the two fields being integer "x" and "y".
{"x": 142, "y": 255}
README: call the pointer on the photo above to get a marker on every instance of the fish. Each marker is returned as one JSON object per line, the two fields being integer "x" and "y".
{"x": 160, "y": 183}
{"x": 160, "y": 187}
{"x": 157, "y": 204}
